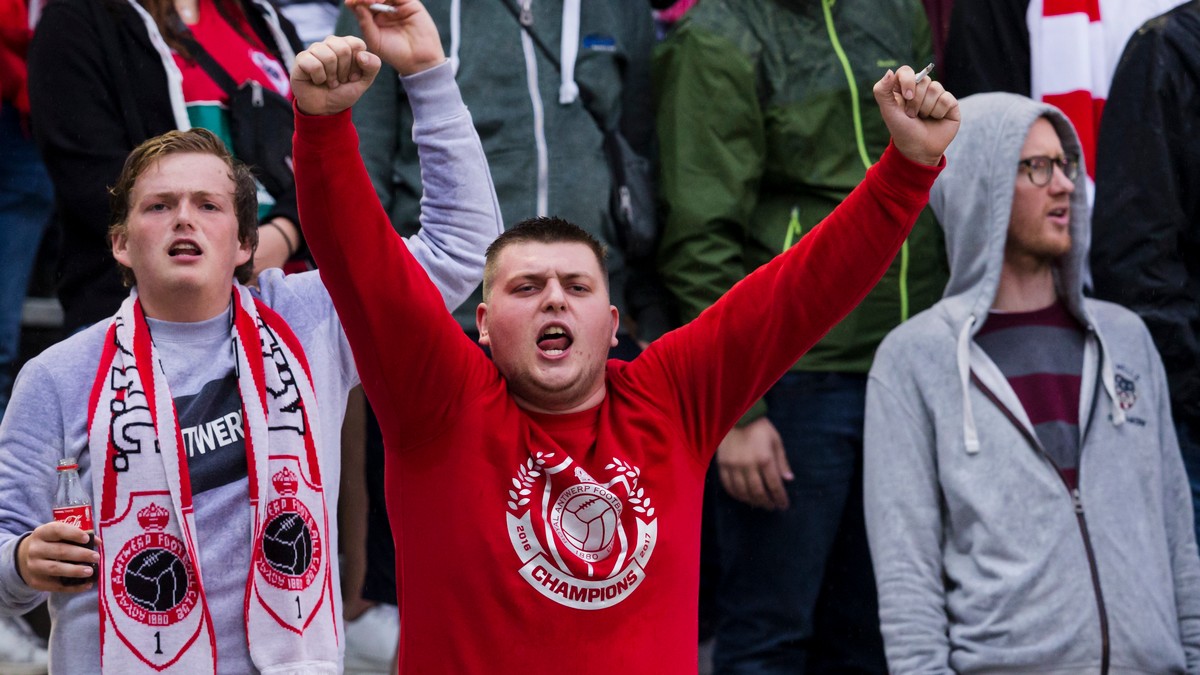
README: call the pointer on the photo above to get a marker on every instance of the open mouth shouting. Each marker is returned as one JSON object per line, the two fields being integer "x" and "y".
{"x": 554, "y": 340}
{"x": 184, "y": 248}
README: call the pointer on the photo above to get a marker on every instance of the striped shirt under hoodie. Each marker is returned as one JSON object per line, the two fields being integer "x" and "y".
{"x": 1041, "y": 356}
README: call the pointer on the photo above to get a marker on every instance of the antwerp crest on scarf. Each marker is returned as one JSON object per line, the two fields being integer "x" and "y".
{"x": 582, "y": 543}
{"x": 152, "y": 577}
{"x": 291, "y": 543}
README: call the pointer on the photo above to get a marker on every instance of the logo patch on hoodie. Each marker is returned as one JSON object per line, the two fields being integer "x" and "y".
{"x": 1126, "y": 384}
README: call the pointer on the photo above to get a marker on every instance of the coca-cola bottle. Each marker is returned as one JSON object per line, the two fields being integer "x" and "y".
{"x": 73, "y": 507}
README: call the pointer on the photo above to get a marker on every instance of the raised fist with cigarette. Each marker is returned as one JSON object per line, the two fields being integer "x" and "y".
{"x": 332, "y": 75}
{"x": 920, "y": 114}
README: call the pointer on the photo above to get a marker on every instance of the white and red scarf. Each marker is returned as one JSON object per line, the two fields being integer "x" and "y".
{"x": 153, "y": 611}
{"x": 1075, "y": 46}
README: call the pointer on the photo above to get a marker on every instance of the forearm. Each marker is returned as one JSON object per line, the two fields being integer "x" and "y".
{"x": 394, "y": 317}
{"x": 16, "y": 597}
{"x": 460, "y": 215}
{"x": 31, "y": 442}
{"x": 756, "y": 331}
{"x": 375, "y": 285}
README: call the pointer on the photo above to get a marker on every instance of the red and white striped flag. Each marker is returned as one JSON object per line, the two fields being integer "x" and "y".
{"x": 1075, "y": 46}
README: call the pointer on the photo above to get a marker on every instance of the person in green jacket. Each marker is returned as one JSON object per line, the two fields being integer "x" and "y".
{"x": 763, "y": 131}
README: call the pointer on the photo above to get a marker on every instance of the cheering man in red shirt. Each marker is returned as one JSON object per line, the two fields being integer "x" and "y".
{"x": 546, "y": 504}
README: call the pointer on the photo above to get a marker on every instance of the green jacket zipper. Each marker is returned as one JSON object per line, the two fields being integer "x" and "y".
{"x": 856, "y": 110}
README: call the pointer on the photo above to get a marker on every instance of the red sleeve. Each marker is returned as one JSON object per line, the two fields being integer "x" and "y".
{"x": 712, "y": 370}
{"x": 394, "y": 317}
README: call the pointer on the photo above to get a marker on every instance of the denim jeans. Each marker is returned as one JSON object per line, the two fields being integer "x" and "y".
{"x": 25, "y": 205}
{"x": 797, "y": 592}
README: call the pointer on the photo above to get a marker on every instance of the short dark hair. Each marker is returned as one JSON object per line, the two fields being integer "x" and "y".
{"x": 199, "y": 141}
{"x": 542, "y": 230}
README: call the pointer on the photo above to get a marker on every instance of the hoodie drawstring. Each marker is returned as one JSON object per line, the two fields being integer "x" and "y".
{"x": 568, "y": 91}
{"x": 455, "y": 33}
{"x": 970, "y": 433}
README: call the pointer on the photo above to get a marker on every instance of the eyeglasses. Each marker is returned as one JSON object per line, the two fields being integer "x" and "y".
{"x": 1040, "y": 169}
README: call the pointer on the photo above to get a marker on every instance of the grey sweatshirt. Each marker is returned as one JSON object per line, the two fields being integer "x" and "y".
{"x": 983, "y": 559}
{"x": 47, "y": 417}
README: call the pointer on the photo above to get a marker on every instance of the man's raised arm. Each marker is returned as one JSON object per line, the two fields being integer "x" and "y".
{"x": 394, "y": 317}
{"x": 735, "y": 350}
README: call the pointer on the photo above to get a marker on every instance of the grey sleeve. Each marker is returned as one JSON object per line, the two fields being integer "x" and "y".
{"x": 306, "y": 291}
{"x": 31, "y": 442}
{"x": 460, "y": 215}
{"x": 904, "y": 529}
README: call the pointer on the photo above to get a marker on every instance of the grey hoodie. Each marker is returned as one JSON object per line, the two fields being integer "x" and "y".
{"x": 984, "y": 561}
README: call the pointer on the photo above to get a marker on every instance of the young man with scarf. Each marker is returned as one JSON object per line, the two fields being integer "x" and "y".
{"x": 205, "y": 417}
{"x": 546, "y": 504}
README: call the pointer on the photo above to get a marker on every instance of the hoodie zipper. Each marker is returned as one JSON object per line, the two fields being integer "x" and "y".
{"x": 1087, "y": 544}
{"x": 1077, "y": 505}
{"x": 860, "y": 139}
{"x": 542, "y": 205}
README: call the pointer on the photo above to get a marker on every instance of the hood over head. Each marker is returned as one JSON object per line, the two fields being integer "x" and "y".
{"x": 973, "y": 200}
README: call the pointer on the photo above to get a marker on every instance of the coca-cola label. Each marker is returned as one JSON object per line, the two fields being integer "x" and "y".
{"x": 79, "y": 516}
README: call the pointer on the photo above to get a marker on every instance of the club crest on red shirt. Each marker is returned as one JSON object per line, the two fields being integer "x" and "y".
{"x": 583, "y": 542}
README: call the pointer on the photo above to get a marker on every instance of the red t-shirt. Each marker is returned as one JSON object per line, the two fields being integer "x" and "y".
{"x": 532, "y": 543}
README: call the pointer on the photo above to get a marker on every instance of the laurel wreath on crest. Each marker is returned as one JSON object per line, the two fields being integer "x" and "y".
{"x": 533, "y": 468}
{"x": 527, "y": 473}
{"x": 637, "y": 495}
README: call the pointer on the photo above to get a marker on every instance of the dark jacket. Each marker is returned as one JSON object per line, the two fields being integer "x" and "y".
{"x": 987, "y": 48}
{"x": 97, "y": 89}
{"x": 1146, "y": 223}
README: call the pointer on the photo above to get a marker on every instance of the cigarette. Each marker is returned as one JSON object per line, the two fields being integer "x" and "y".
{"x": 388, "y": 9}
{"x": 920, "y": 76}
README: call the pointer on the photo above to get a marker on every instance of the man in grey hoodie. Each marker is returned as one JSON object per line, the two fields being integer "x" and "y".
{"x": 1026, "y": 504}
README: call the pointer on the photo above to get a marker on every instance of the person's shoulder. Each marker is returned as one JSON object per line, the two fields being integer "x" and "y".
{"x": 1110, "y": 316}
{"x": 927, "y": 331}
{"x": 740, "y": 24}
{"x": 920, "y": 351}
{"x": 303, "y": 302}
{"x": 77, "y": 356}
{"x": 74, "y": 6}
{"x": 1177, "y": 30}
{"x": 295, "y": 297}
{"x": 1120, "y": 327}
{"x": 275, "y": 287}
{"x": 1182, "y": 20}
{"x": 54, "y": 14}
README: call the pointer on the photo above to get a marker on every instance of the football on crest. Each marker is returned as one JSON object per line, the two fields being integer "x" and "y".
{"x": 589, "y": 523}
